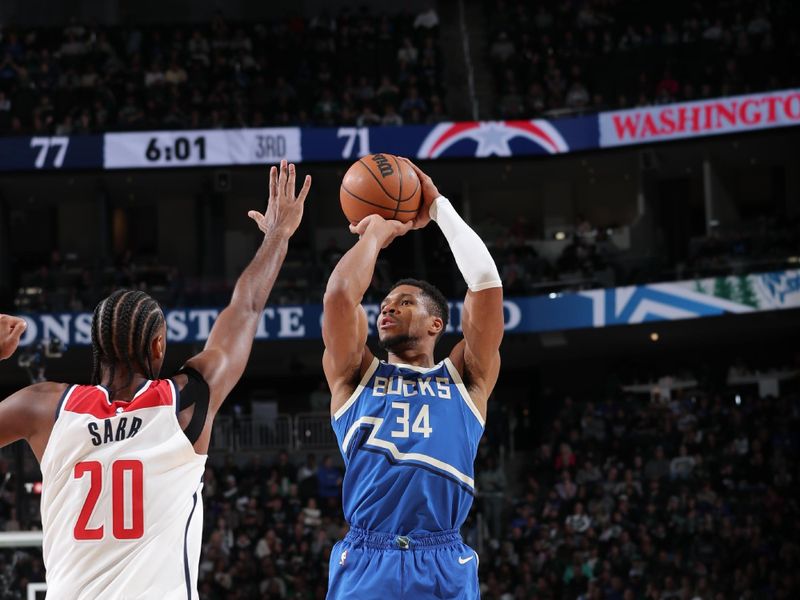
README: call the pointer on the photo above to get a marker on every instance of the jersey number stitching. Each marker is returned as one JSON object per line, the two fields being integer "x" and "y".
{"x": 118, "y": 470}
{"x": 421, "y": 423}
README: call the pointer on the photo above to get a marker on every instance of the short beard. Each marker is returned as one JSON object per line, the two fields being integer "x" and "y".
{"x": 396, "y": 342}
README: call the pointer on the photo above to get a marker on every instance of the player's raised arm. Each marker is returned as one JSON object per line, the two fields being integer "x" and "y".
{"x": 478, "y": 355}
{"x": 11, "y": 330}
{"x": 344, "y": 322}
{"x": 222, "y": 361}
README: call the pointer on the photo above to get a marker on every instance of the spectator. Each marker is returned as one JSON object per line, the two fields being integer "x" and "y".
{"x": 427, "y": 19}
{"x": 492, "y": 487}
{"x": 413, "y": 102}
{"x": 390, "y": 117}
{"x": 565, "y": 459}
{"x": 329, "y": 480}
{"x": 408, "y": 53}
{"x": 579, "y": 521}
{"x": 565, "y": 488}
{"x": 577, "y": 95}
{"x": 502, "y": 48}
{"x": 320, "y": 399}
{"x": 681, "y": 466}
{"x": 368, "y": 118}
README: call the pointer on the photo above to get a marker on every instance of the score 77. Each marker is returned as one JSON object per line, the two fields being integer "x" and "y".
{"x": 351, "y": 133}
{"x": 43, "y": 143}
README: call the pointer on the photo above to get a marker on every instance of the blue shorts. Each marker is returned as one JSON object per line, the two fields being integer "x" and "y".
{"x": 370, "y": 565}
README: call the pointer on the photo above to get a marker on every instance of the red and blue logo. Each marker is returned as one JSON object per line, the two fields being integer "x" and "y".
{"x": 492, "y": 138}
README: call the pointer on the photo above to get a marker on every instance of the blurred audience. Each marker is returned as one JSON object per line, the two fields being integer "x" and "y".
{"x": 326, "y": 70}
{"x": 690, "y": 498}
{"x": 557, "y": 58}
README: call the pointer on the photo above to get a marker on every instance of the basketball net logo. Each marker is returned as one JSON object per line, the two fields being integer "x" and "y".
{"x": 343, "y": 558}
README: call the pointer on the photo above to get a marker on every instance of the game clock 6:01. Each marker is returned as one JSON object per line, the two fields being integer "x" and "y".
{"x": 179, "y": 149}
{"x": 201, "y": 148}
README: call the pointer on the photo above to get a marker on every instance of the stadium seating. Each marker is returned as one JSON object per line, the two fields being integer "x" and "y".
{"x": 355, "y": 66}
{"x": 555, "y": 58}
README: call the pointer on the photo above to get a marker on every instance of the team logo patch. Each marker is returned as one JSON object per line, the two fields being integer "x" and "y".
{"x": 493, "y": 138}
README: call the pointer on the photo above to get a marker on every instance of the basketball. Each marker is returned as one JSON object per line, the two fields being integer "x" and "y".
{"x": 383, "y": 185}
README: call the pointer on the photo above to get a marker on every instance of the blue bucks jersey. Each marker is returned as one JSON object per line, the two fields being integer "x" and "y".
{"x": 408, "y": 436}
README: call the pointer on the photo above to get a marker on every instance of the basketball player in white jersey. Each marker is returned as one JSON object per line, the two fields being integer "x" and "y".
{"x": 122, "y": 459}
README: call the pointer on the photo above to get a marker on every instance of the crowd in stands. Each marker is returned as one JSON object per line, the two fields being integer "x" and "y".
{"x": 767, "y": 244}
{"x": 355, "y": 67}
{"x": 691, "y": 496}
{"x": 366, "y": 68}
{"x": 67, "y": 283}
{"x": 687, "y": 497}
{"x": 588, "y": 258}
{"x": 72, "y": 283}
{"x": 585, "y": 259}
{"x": 558, "y": 57}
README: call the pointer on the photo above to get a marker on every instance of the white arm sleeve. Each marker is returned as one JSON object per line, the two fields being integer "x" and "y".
{"x": 471, "y": 254}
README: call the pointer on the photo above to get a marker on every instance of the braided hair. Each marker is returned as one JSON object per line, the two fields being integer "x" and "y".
{"x": 122, "y": 328}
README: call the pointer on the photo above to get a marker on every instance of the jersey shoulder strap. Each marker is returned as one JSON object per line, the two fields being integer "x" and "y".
{"x": 195, "y": 393}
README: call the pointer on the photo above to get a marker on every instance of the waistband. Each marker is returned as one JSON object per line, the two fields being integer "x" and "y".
{"x": 392, "y": 541}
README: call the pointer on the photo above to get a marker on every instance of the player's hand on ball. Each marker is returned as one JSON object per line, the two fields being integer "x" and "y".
{"x": 429, "y": 193}
{"x": 11, "y": 330}
{"x": 285, "y": 209}
{"x": 386, "y": 230}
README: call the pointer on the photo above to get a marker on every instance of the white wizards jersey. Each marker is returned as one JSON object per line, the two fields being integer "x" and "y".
{"x": 122, "y": 511}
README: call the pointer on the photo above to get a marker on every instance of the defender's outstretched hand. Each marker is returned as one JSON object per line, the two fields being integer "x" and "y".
{"x": 386, "y": 230}
{"x": 429, "y": 193}
{"x": 11, "y": 330}
{"x": 285, "y": 209}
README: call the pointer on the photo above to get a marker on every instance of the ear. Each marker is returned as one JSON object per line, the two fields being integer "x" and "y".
{"x": 436, "y": 326}
{"x": 158, "y": 347}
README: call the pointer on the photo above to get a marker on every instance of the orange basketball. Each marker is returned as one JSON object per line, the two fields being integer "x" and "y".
{"x": 380, "y": 184}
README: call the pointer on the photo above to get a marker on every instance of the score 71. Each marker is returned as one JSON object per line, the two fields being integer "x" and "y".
{"x": 44, "y": 143}
{"x": 351, "y": 134}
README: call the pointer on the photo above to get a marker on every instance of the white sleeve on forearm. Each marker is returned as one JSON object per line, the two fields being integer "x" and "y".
{"x": 471, "y": 254}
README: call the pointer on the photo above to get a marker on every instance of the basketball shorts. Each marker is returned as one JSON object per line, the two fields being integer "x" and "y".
{"x": 370, "y": 565}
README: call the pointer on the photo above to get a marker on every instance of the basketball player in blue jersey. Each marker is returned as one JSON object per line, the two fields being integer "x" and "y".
{"x": 408, "y": 427}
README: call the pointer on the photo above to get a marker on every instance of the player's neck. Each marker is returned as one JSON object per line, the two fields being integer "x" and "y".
{"x": 417, "y": 359}
{"x": 118, "y": 390}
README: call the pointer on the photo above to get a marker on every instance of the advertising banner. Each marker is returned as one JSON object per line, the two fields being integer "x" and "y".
{"x": 732, "y": 114}
{"x": 456, "y": 139}
{"x": 592, "y": 308}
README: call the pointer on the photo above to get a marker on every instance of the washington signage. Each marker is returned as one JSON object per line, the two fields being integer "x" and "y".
{"x": 456, "y": 139}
